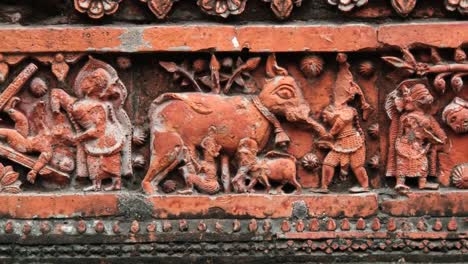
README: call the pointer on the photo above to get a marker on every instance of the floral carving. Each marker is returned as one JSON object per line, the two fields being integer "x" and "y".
{"x": 160, "y": 8}
{"x": 283, "y": 8}
{"x": 59, "y": 63}
{"x": 9, "y": 180}
{"x": 222, "y": 8}
{"x": 460, "y": 5}
{"x": 347, "y": 5}
{"x": 97, "y": 8}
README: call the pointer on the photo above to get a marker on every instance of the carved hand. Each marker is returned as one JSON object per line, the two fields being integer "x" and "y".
{"x": 32, "y": 176}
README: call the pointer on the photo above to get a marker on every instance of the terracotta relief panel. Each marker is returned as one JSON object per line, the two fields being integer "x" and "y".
{"x": 336, "y": 134}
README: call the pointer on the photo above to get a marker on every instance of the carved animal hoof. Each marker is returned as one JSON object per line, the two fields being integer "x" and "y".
{"x": 358, "y": 189}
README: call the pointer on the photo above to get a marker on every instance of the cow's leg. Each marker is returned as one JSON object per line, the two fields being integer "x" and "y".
{"x": 165, "y": 154}
{"x": 297, "y": 185}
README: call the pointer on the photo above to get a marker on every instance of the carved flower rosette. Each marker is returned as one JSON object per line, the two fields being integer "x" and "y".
{"x": 222, "y": 8}
{"x": 460, "y": 5}
{"x": 97, "y": 8}
{"x": 347, "y": 5}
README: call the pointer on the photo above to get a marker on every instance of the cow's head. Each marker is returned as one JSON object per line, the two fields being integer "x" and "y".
{"x": 281, "y": 94}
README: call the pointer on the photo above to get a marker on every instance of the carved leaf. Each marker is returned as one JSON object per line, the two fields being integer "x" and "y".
{"x": 399, "y": 63}
{"x": 160, "y": 8}
{"x": 282, "y": 8}
{"x": 252, "y": 63}
{"x": 60, "y": 70}
{"x": 13, "y": 59}
{"x": 9, "y": 177}
{"x": 404, "y": 7}
{"x": 168, "y": 66}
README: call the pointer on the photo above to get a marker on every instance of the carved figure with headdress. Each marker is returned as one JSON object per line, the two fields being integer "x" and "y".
{"x": 414, "y": 135}
{"x": 102, "y": 126}
{"x": 348, "y": 148}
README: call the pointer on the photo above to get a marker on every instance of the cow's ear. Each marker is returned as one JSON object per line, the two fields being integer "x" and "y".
{"x": 272, "y": 68}
{"x": 270, "y": 65}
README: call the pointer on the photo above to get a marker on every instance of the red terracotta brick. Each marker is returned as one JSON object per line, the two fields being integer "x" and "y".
{"x": 419, "y": 203}
{"x": 261, "y": 206}
{"x": 444, "y": 35}
{"x": 25, "y": 206}
{"x": 187, "y": 38}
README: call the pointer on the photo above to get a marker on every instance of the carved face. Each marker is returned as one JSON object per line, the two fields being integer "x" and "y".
{"x": 455, "y": 115}
{"x": 209, "y": 144}
{"x": 458, "y": 121}
{"x": 282, "y": 96}
{"x": 95, "y": 82}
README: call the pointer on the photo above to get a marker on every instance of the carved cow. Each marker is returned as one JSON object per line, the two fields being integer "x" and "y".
{"x": 179, "y": 122}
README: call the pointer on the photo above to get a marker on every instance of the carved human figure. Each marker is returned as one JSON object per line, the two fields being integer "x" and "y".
{"x": 102, "y": 128}
{"x": 20, "y": 140}
{"x": 207, "y": 179}
{"x": 348, "y": 148}
{"x": 414, "y": 135}
{"x": 455, "y": 115}
{"x": 274, "y": 166}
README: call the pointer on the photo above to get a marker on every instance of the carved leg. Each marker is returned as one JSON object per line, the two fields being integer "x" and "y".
{"x": 423, "y": 184}
{"x": 250, "y": 187}
{"x": 116, "y": 184}
{"x": 189, "y": 182}
{"x": 400, "y": 186}
{"x": 363, "y": 179}
{"x": 327, "y": 176}
{"x": 297, "y": 185}
{"x": 15, "y": 140}
{"x": 96, "y": 186}
{"x": 164, "y": 153}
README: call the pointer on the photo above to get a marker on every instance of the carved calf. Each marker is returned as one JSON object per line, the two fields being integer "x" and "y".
{"x": 275, "y": 166}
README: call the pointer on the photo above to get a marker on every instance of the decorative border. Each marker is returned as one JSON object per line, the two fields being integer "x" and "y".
{"x": 282, "y": 9}
{"x": 189, "y": 38}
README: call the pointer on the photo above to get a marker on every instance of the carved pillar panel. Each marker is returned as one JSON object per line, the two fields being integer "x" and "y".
{"x": 233, "y": 130}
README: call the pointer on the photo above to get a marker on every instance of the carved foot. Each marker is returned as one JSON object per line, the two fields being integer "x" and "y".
{"x": 113, "y": 187}
{"x": 358, "y": 189}
{"x": 148, "y": 188}
{"x": 92, "y": 188}
{"x": 402, "y": 189}
{"x": 430, "y": 186}
{"x": 32, "y": 174}
{"x": 185, "y": 191}
{"x": 321, "y": 190}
